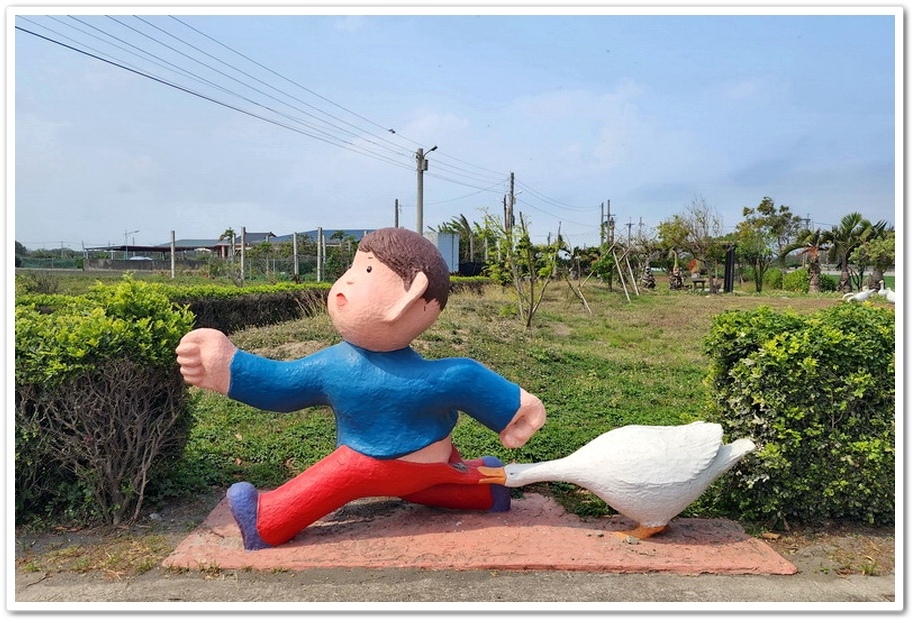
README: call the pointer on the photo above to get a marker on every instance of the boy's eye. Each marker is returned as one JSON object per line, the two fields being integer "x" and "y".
{"x": 368, "y": 269}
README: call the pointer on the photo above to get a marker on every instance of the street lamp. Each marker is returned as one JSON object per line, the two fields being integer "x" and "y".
{"x": 422, "y": 165}
{"x": 126, "y": 234}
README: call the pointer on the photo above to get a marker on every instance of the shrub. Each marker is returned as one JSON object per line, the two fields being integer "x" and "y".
{"x": 100, "y": 405}
{"x": 37, "y": 282}
{"x": 816, "y": 394}
{"x": 772, "y": 278}
{"x": 829, "y": 283}
{"x": 797, "y": 281}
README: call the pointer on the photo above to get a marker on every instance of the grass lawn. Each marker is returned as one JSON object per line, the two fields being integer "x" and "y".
{"x": 597, "y": 365}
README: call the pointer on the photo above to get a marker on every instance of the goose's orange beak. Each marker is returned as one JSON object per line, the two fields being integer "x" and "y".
{"x": 492, "y": 475}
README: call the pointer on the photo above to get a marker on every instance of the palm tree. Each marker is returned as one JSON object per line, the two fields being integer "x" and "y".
{"x": 465, "y": 230}
{"x": 876, "y": 232}
{"x": 811, "y": 244}
{"x": 845, "y": 238}
{"x": 878, "y": 252}
{"x": 853, "y": 231}
{"x": 229, "y": 236}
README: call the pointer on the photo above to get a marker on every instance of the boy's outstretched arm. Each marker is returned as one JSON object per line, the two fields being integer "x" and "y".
{"x": 527, "y": 421}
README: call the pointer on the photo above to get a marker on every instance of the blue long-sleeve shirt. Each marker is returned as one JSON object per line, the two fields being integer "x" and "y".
{"x": 386, "y": 405}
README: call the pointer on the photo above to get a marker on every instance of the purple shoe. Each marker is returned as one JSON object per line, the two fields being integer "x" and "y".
{"x": 499, "y": 493}
{"x": 243, "y": 502}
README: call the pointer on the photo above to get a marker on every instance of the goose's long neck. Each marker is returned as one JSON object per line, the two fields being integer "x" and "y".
{"x": 520, "y": 474}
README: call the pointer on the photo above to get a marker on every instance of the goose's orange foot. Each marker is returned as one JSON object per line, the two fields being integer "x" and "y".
{"x": 639, "y": 532}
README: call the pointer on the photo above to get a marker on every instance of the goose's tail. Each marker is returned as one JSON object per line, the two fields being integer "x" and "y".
{"x": 731, "y": 453}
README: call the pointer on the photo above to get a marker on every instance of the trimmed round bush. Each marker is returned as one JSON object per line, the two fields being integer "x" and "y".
{"x": 816, "y": 394}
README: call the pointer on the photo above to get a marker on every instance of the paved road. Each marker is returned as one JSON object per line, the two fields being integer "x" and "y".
{"x": 411, "y": 589}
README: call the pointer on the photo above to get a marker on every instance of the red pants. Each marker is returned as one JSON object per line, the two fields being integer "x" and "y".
{"x": 346, "y": 475}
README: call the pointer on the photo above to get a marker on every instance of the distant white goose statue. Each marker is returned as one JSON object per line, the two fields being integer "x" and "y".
{"x": 648, "y": 474}
{"x": 859, "y": 296}
{"x": 887, "y": 293}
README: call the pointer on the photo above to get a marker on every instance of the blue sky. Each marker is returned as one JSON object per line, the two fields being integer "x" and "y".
{"x": 646, "y": 112}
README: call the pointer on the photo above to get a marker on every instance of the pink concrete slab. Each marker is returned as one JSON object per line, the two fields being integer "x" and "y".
{"x": 536, "y": 534}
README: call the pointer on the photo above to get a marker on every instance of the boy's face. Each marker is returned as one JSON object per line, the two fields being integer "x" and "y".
{"x": 360, "y": 301}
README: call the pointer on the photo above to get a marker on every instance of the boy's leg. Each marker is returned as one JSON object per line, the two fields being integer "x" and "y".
{"x": 344, "y": 476}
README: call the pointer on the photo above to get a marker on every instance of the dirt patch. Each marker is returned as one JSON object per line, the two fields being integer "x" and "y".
{"x": 841, "y": 548}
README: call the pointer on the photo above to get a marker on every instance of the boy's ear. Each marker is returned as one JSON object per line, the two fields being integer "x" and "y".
{"x": 412, "y": 295}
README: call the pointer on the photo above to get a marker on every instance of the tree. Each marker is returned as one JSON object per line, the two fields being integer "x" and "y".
{"x": 811, "y": 244}
{"x": 644, "y": 249}
{"x": 697, "y": 229}
{"x": 853, "y": 231}
{"x": 879, "y": 253}
{"x": 340, "y": 257}
{"x": 764, "y": 230}
{"x": 262, "y": 251}
{"x": 229, "y": 236}
{"x": 466, "y": 234}
{"x": 528, "y": 267}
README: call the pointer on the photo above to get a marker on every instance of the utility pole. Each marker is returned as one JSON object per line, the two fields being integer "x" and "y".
{"x": 603, "y": 223}
{"x": 607, "y": 224}
{"x": 242, "y": 260}
{"x": 126, "y": 234}
{"x": 509, "y": 205}
{"x": 396, "y": 215}
{"x": 510, "y": 209}
{"x": 422, "y": 165}
{"x": 506, "y": 212}
{"x": 295, "y": 257}
{"x": 319, "y": 269}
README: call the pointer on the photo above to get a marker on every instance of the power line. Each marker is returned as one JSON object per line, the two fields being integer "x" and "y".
{"x": 208, "y": 98}
{"x": 559, "y": 218}
{"x": 467, "y": 177}
{"x": 264, "y": 67}
{"x": 329, "y": 128}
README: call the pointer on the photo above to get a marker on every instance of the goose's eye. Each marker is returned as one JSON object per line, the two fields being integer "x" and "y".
{"x": 368, "y": 269}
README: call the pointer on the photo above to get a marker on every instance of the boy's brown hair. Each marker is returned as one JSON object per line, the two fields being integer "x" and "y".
{"x": 406, "y": 253}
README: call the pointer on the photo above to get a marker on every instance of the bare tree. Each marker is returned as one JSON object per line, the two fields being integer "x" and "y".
{"x": 696, "y": 229}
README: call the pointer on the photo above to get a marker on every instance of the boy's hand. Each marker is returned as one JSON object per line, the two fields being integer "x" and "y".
{"x": 204, "y": 356}
{"x": 529, "y": 418}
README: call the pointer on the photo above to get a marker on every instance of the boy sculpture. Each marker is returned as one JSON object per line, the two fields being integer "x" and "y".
{"x": 394, "y": 410}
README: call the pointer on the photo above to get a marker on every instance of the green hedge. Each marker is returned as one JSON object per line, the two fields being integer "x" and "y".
{"x": 230, "y": 309}
{"x": 816, "y": 394}
{"x": 100, "y": 405}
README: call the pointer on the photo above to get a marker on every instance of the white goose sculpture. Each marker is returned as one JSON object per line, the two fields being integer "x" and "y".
{"x": 887, "y": 293}
{"x": 648, "y": 474}
{"x": 859, "y": 296}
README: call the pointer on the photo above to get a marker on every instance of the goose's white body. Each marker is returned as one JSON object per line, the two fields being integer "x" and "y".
{"x": 859, "y": 296}
{"x": 888, "y": 294}
{"x": 648, "y": 474}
